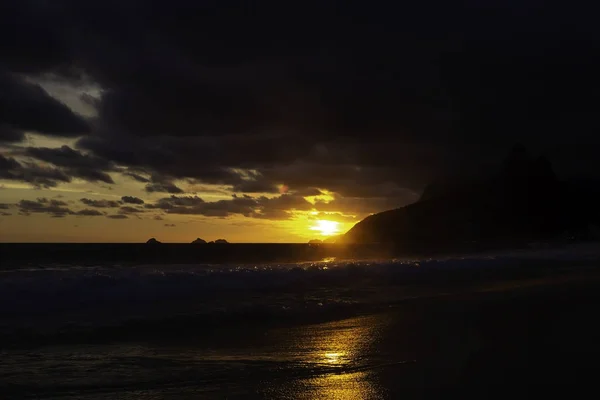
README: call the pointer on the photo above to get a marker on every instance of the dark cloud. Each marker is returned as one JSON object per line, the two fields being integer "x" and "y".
{"x": 32, "y": 173}
{"x": 171, "y": 202}
{"x": 65, "y": 156}
{"x": 197, "y": 206}
{"x": 162, "y": 185}
{"x": 71, "y": 163}
{"x": 272, "y": 214}
{"x": 352, "y": 180}
{"x": 255, "y": 186}
{"x": 8, "y": 164}
{"x": 4, "y": 206}
{"x": 45, "y": 200}
{"x": 255, "y": 207}
{"x": 135, "y": 176}
{"x": 130, "y": 210}
{"x": 369, "y": 102}
{"x": 285, "y": 202}
{"x": 26, "y": 106}
{"x": 88, "y": 213}
{"x": 76, "y": 164}
{"x": 100, "y": 203}
{"x": 9, "y": 134}
{"x": 132, "y": 200}
{"x": 55, "y": 208}
{"x": 91, "y": 175}
{"x": 194, "y": 188}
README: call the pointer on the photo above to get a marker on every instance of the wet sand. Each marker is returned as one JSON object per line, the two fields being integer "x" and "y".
{"x": 505, "y": 342}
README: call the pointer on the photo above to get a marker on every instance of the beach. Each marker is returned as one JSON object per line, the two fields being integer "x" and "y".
{"x": 497, "y": 340}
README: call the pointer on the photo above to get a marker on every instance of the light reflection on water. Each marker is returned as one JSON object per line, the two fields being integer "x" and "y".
{"x": 347, "y": 386}
{"x": 334, "y": 360}
{"x": 343, "y": 352}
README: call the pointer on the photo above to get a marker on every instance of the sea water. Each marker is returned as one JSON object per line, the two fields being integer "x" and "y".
{"x": 200, "y": 330}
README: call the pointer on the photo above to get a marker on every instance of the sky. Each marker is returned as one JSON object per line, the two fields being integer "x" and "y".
{"x": 273, "y": 121}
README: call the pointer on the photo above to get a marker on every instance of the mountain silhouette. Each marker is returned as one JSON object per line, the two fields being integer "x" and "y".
{"x": 522, "y": 201}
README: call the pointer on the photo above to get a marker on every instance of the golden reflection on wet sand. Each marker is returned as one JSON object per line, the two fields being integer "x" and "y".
{"x": 341, "y": 354}
{"x": 349, "y": 386}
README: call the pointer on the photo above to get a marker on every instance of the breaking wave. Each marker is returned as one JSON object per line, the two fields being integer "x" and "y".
{"x": 47, "y": 299}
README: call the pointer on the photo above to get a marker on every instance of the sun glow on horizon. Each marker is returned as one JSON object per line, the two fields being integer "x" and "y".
{"x": 327, "y": 228}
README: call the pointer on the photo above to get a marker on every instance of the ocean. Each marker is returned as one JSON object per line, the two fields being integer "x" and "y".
{"x": 328, "y": 329}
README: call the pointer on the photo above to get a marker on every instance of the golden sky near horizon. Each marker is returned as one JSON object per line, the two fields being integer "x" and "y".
{"x": 138, "y": 227}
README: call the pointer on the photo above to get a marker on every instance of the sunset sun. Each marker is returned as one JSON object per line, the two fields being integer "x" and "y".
{"x": 327, "y": 228}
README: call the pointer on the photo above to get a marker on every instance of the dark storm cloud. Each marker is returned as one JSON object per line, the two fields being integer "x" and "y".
{"x": 272, "y": 214}
{"x": 197, "y": 206}
{"x": 285, "y": 202}
{"x": 91, "y": 175}
{"x": 76, "y": 164}
{"x": 26, "y": 106}
{"x": 69, "y": 158}
{"x": 71, "y": 163}
{"x": 132, "y": 200}
{"x": 207, "y": 160}
{"x": 369, "y": 102}
{"x": 168, "y": 203}
{"x": 136, "y": 177}
{"x": 9, "y": 134}
{"x": 88, "y": 213}
{"x": 100, "y": 203}
{"x": 34, "y": 174}
{"x": 8, "y": 164}
{"x": 248, "y": 206}
{"x": 255, "y": 186}
{"x": 162, "y": 186}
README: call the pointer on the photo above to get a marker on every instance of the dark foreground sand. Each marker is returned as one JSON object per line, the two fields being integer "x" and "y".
{"x": 527, "y": 341}
{"x": 531, "y": 339}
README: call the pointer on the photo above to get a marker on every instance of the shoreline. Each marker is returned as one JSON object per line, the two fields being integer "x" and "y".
{"x": 198, "y": 325}
{"x": 15, "y": 255}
